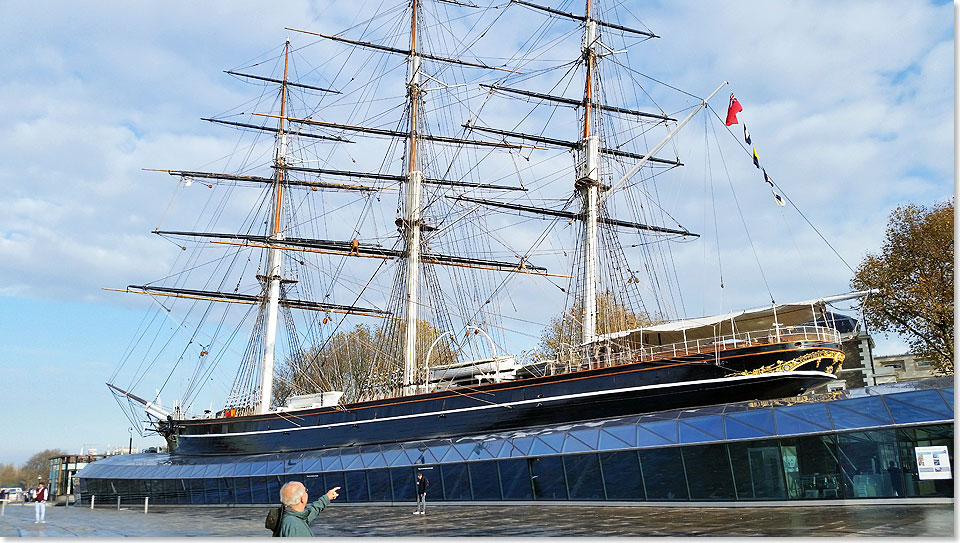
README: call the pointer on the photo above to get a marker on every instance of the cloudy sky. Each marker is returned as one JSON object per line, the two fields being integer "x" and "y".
{"x": 849, "y": 102}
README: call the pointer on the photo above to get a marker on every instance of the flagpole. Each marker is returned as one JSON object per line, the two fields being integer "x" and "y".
{"x": 660, "y": 145}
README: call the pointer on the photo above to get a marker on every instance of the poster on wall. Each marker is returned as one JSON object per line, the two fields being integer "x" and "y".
{"x": 933, "y": 462}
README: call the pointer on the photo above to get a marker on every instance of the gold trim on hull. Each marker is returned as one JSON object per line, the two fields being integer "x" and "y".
{"x": 802, "y": 360}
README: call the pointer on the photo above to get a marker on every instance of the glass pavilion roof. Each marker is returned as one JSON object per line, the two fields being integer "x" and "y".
{"x": 918, "y": 402}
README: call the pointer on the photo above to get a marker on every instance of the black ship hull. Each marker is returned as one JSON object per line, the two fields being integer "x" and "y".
{"x": 634, "y": 388}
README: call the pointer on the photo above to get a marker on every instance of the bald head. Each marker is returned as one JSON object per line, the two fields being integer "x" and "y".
{"x": 291, "y": 493}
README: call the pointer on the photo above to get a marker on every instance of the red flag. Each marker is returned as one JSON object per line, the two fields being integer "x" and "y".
{"x": 733, "y": 109}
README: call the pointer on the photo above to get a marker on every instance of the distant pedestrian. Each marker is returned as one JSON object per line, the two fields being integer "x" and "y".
{"x": 40, "y": 504}
{"x": 896, "y": 478}
{"x": 422, "y": 484}
{"x": 297, "y": 513}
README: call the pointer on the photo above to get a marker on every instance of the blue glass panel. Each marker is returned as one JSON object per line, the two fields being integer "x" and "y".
{"x": 583, "y": 477}
{"x": 484, "y": 480}
{"x": 904, "y": 413}
{"x": 738, "y": 430}
{"x": 394, "y": 457}
{"x": 521, "y": 446}
{"x": 663, "y": 474}
{"x": 546, "y": 474}
{"x": 926, "y": 399}
{"x": 712, "y": 425}
{"x": 761, "y": 419}
{"x": 331, "y": 463}
{"x": 947, "y": 394}
{"x": 788, "y": 424}
{"x": 871, "y": 407}
{"x": 456, "y": 482}
{"x": 380, "y": 487}
{"x": 274, "y": 468}
{"x": 421, "y": 456}
{"x": 689, "y": 434}
{"x": 812, "y": 418}
{"x": 333, "y": 479}
{"x": 498, "y": 448}
{"x": 845, "y": 419}
{"x": 428, "y": 457}
{"x": 708, "y": 472}
{"x": 590, "y": 436}
{"x": 572, "y": 444}
{"x": 452, "y": 455}
{"x": 373, "y": 460}
{"x": 666, "y": 431}
{"x": 621, "y": 475}
{"x": 480, "y": 451}
{"x": 439, "y": 451}
{"x": 646, "y": 438}
{"x": 351, "y": 461}
{"x": 243, "y": 468}
{"x": 258, "y": 468}
{"x": 311, "y": 465}
{"x": 515, "y": 479}
{"x": 293, "y": 465}
{"x": 356, "y": 486}
{"x": 547, "y": 444}
{"x": 404, "y": 484}
{"x": 213, "y": 470}
{"x": 465, "y": 449}
{"x": 314, "y": 485}
{"x": 617, "y": 437}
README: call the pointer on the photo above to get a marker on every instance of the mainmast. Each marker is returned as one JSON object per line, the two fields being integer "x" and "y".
{"x": 274, "y": 261}
{"x": 411, "y": 214}
{"x": 588, "y": 182}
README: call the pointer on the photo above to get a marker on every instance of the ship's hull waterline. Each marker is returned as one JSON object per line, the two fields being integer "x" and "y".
{"x": 599, "y": 393}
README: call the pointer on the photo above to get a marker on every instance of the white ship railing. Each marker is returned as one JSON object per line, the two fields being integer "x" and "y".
{"x": 619, "y": 353}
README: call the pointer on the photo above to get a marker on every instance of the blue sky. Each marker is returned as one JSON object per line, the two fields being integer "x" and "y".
{"x": 850, "y": 104}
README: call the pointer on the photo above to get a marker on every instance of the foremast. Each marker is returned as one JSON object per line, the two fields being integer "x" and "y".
{"x": 274, "y": 270}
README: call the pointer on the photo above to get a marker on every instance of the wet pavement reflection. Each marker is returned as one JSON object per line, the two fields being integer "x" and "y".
{"x": 499, "y": 520}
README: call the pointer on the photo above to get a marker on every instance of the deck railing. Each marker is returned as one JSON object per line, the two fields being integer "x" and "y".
{"x": 619, "y": 353}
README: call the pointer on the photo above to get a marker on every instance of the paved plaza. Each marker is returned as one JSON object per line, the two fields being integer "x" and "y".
{"x": 494, "y": 521}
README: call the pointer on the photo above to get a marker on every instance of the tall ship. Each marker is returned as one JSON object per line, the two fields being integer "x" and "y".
{"x": 411, "y": 240}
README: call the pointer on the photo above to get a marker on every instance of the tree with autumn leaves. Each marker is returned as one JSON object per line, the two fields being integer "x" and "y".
{"x": 914, "y": 275}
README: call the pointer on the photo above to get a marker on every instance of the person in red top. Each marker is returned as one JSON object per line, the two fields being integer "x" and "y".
{"x": 40, "y": 504}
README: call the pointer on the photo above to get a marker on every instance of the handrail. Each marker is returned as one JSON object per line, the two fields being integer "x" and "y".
{"x": 614, "y": 354}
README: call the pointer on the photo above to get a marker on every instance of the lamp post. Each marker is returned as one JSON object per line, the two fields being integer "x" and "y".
{"x": 130, "y": 444}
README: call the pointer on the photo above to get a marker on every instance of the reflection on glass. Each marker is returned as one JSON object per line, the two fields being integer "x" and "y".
{"x": 456, "y": 482}
{"x": 708, "y": 472}
{"x": 757, "y": 470}
{"x": 583, "y": 477}
{"x": 870, "y": 464}
{"x": 547, "y": 477}
{"x": 924, "y": 436}
{"x": 621, "y": 475}
{"x": 485, "y": 480}
{"x": 356, "y": 486}
{"x": 810, "y": 464}
{"x": 663, "y": 476}
{"x": 404, "y": 483}
{"x": 515, "y": 479}
{"x": 379, "y": 481}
